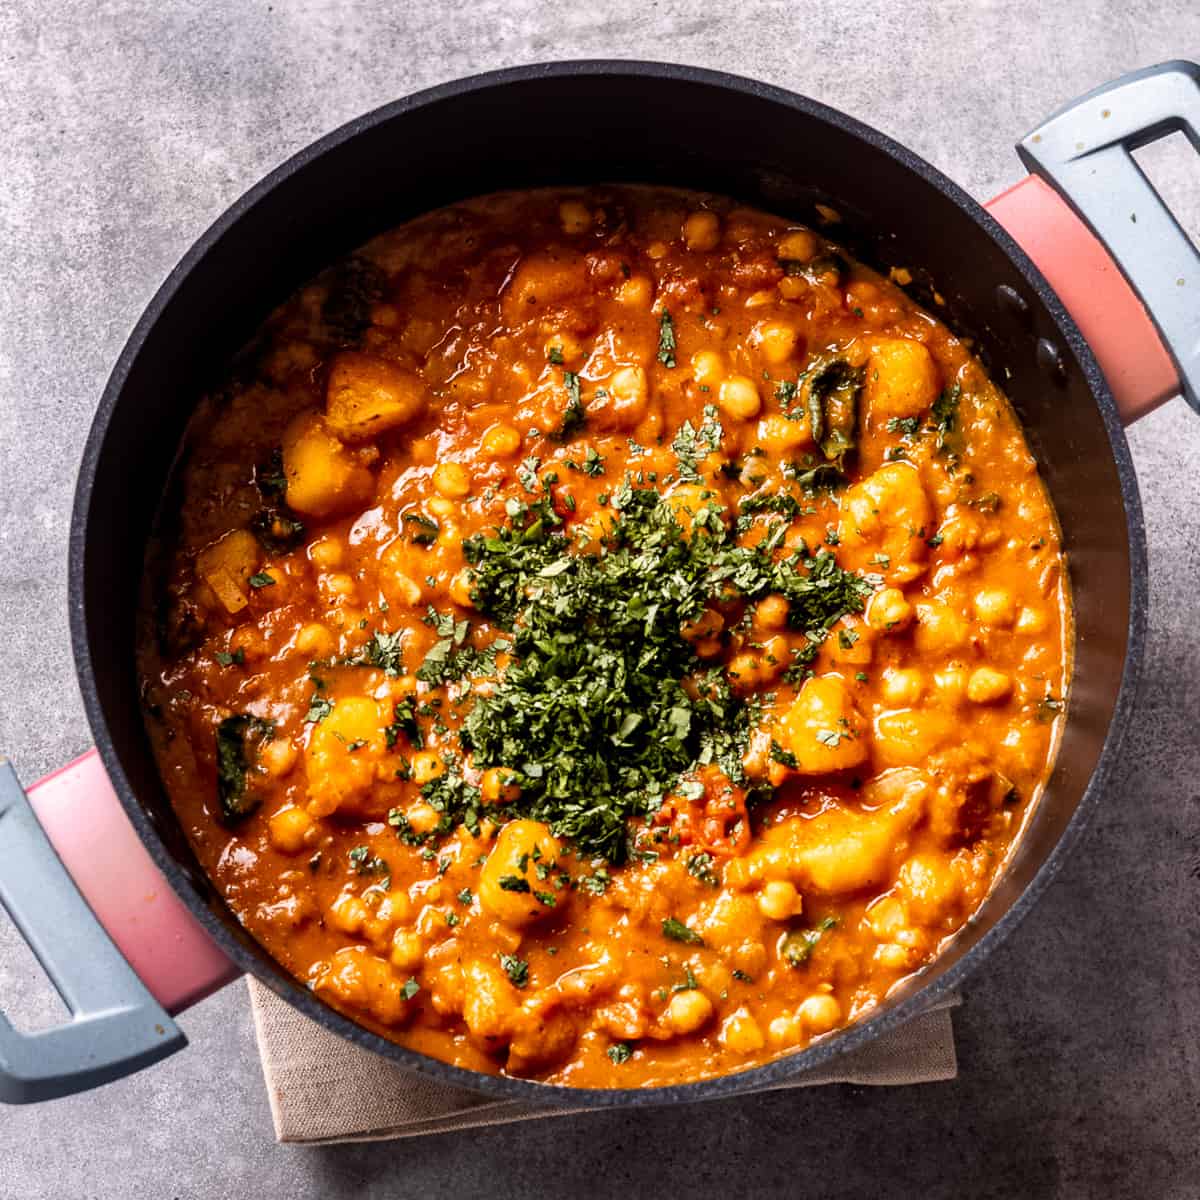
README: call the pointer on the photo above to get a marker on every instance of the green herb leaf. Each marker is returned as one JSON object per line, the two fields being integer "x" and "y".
{"x": 516, "y": 969}
{"x": 677, "y": 931}
{"x": 798, "y": 945}
{"x": 239, "y": 740}
{"x": 666, "y": 339}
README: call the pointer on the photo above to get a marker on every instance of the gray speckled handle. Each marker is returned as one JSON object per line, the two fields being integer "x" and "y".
{"x": 116, "y": 1026}
{"x": 1084, "y": 152}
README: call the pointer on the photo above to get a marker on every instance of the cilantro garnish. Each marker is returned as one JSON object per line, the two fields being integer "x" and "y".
{"x": 666, "y": 339}
{"x": 516, "y": 969}
{"x": 677, "y": 931}
{"x": 591, "y": 715}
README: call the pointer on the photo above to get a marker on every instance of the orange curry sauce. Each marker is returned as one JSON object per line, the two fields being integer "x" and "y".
{"x": 604, "y": 636}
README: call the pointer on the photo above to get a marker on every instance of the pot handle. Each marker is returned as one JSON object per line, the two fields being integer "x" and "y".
{"x": 118, "y": 944}
{"x": 1126, "y": 267}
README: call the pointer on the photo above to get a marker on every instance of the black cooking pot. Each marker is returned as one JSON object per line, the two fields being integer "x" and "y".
{"x": 576, "y": 123}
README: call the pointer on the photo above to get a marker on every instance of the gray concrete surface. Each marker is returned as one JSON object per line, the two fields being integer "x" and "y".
{"x": 127, "y": 127}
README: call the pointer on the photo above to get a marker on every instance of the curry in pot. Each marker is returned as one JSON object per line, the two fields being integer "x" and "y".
{"x": 607, "y": 636}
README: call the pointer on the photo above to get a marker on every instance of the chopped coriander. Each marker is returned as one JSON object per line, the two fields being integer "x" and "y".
{"x": 260, "y": 579}
{"x": 619, "y": 1052}
{"x": 701, "y": 867}
{"x": 781, "y": 755}
{"x": 383, "y": 651}
{"x": 574, "y": 415}
{"x": 410, "y": 989}
{"x": 225, "y": 659}
{"x": 516, "y": 969}
{"x": 677, "y": 931}
{"x": 798, "y": 945}
{"x": 426, "y": 528}
{"x": 666, "y": 339}
{"x": 514, "y": 883}
{"x": 690, "y": 982}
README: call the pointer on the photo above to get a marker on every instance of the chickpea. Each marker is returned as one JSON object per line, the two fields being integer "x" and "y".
{"x": 574, "y": 216}
{"x": 738, "y": 398}
{"x": 751, "y": 957}
{"x": 688, "y": 1010}
{"x": 708, "y": 624}
{"x": 887, "y": 917}
{"x": 498, "y": 786}
{"x": 951, "y": 684}
{"x": 741, "y": 1033}
{"x": 630, "y": 395}
{"x": 771, "y": 612}
{"x": 940, "y": 629}
{"x": 1031, "y": 620}
{"x": 427, "y": 765}
{"x": 995, "y": 606}
{"x": 314, "y": 641}
{"x": 702, "y": 231}
{"x": 708, "y": 368}
{"x": 288, "y": 830}
{"x": 779, "y": 900}
{"x": 714, "y": 977}
{"x": 820, "y": 1012}
{"x": 778, "y": 434}
{"x": 889, "y": 611}
{"x": 636, "y": 292}
{"x": 326, "y": 553}
{"x": 278, "y": 757}
{"x": 902, "y": 687}
{"x": 348, "y": 913}
{"x": 393, "y": 908}
{"x": 784, "y": 1031}
{"x": 777, "y": 341}
{"x": 749, "y": 670}
{"x": 988, "y": 686}
{"x": 339, "y": 584}
{"x": 421, "y": 817}
{"x": 500, "y": 441}
{"x": 452, "y": 480}
{"x": 893, "y": 957}
{"x": 798, "y": 245}
{"x": 408, "y": 949}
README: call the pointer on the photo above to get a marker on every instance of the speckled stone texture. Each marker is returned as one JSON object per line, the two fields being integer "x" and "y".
{"x": 127, "y": 128}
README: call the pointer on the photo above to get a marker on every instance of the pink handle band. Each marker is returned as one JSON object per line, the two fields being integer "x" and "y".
{"x": 168, "y": 948}
{"x": 1106, "y": 309}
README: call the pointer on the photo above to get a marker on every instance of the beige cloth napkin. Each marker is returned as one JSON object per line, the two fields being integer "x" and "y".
{"x": 322, "y": 1089}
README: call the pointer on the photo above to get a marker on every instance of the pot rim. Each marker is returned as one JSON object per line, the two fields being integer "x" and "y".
{"x": 778, "y": 1071}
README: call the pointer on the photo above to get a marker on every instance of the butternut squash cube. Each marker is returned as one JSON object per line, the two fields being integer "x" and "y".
{"x": 323, "y": 476}
{"x": 902, "y": 379}
{"x": 226, "y": 566}
{"x": 366, "y": 396}
{"x": 822, "y": 729}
